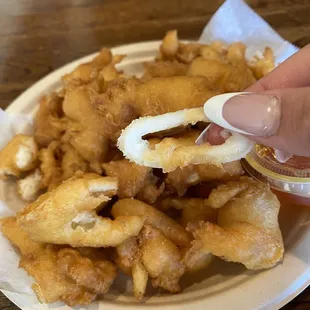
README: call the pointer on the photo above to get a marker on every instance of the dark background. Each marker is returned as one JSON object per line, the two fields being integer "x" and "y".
{"x": 38, "y": 36}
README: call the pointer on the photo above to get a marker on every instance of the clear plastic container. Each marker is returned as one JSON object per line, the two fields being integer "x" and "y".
{"x": 290, "y": 180}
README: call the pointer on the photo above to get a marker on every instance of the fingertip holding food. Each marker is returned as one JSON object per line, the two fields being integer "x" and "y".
{"x": 214, "y": 108}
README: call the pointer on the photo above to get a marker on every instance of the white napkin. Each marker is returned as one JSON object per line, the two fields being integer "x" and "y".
{"x": 236, "y": 21}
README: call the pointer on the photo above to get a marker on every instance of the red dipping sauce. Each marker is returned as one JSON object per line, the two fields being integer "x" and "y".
{"x": 290, "y": 181}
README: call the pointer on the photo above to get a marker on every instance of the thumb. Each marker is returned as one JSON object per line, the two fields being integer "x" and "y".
{"x": 278, "y": 118}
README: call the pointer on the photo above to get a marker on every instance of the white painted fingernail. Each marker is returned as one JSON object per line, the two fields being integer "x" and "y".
{"x": 213, "y": 109}
{"x": 281, "y": 156}
{"x": 247, "y": 113}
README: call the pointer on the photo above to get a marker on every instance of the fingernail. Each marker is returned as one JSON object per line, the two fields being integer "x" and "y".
{"x": 253, "y": 113}
{"x": 246, "y": 113}
{"x": 282, "y": 157}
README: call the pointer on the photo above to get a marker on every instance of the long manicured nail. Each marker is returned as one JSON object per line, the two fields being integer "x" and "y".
{"x": 258, "y": 114}
{"x": 248, "y": 113}
{"x": 282, "y": 156}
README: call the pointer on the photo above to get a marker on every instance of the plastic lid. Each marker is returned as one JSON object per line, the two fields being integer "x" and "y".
{"x": 291, "y": 177}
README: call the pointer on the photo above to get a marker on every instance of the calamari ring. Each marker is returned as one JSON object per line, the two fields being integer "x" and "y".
{"x": 172, "y": 155}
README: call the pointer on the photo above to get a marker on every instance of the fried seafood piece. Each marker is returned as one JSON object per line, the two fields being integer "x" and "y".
{"x": 71, "y": 162}
{"x": 131, "y": 177}
{"x": 134, "y": 180}
{"x": 106, "y": 114}
{"x": 96, "y": 274}
{"x": 211, "y": 53}
{"x": 87, "y": 72}
{"x": 50, "y": 165}
{"x": 161, "y": 259}
{"x": 127, "y": 253}
{"x": 261, "y": 66}
{"x": 30, "y": 186}
{"x": 170, "y": 45}
{"x": 67, "y": 215}
{"x": 157, "y": 96}
{"x": 126, "y": 99}
{"x": 18, "y": 156}
{"x": 162, "y": 95}
{"x": 161, "y": 68}
{"x": 153, "y": 255}
{"x": 18, "y": 237}
{"x": 59, "y": 162}
{"x": 220, "y": 47}
{"x": 195, "y": 259}
{"x": 77, "y": 105}
{"x": 128, "y": 259}
{"x": 188, "y": 52}
{"x": 172, "y": 49}
{"x": 226, "y": 77}
{"x": 150, "y": 192}
{"x": 109, "y": 72}
{"x": 75, "y": 279}
{"x": 140, "y": 278}
{"x": 182, "y": 178}
{"x": 73, "y": 276}
{"x": 177, "y": 152}
{"x": 224, "y": 67}
{"x": 154, "y": 217}
{"x": 247, "y": 231}
{"x": 44, "y": 129}
{"x": 193, "y": 209}
{"x": 92, "y": 146}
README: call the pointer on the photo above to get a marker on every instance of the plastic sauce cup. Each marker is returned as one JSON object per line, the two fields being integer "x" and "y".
{"x": 290, "y": 181}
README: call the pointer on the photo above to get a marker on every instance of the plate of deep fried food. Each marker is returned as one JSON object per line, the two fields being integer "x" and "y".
{"x": 115, "y": 205}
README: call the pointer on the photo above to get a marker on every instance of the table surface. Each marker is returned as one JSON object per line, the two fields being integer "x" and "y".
{"x": 36, "y": 37}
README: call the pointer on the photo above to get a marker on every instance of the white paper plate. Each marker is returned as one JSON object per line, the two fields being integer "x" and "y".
{"x": 223, "y": 285}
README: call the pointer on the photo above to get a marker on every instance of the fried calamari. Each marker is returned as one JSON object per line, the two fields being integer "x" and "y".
{"x": 182, "y": 178}
{"x": 161, "y": 258}
{"x": 91, "y": 146}
{"x": 134, "y": 180}
{"x": 44, "y": 129}
{"x": 77, "y": 276}
{"x": 193, "y": 209}
{"x": 152, "y": 255}
{"x": 18, "y": 156}
{"x": 128, "y": 259}
{"x": 101, "y": 69}
{"x": 67, "y": 215}
{"x": 261, "y": 65}
{"x": 163, "y": 69}
{"x": 172, "y": 153}
{"x": 50, "y": 165}
{"x": 247, "y": 231}
{"x": 30, "y": 186}
{"x": 195, "y": 259}
{"x": 154, "y": 217}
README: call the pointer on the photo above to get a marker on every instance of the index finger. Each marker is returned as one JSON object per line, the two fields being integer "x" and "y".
{"x": 292, "y": 73}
